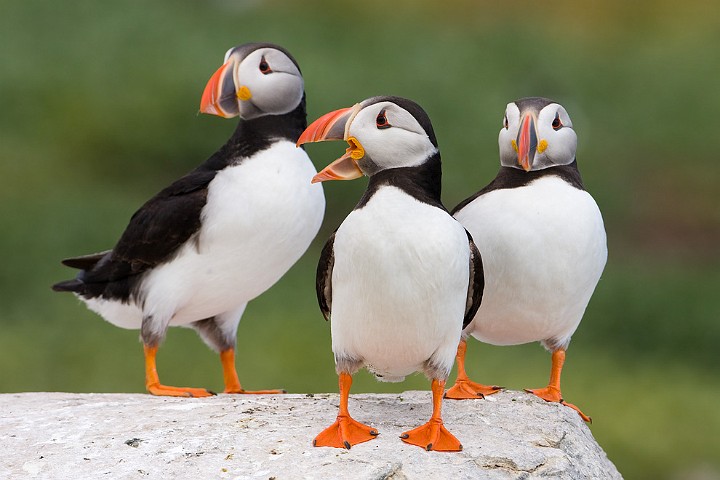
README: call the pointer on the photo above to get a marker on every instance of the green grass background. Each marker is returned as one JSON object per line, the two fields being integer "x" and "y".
{"x": 98, "y": 111}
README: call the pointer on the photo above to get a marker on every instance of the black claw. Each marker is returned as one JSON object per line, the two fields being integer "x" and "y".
{"x": 374, "y": 433}
{"x": 481, "y": 395}
{"x": 404, "y": 435}
{"x": 282, "y": 390}
{"x": 210, "y": 392}
{"x": 461, "y": 447}
{"x": 347, "y": 444}
{"x": 314, "y": 443}
{"x": 429, "y": 447}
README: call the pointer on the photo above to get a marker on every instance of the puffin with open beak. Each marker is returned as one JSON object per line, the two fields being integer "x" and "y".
{"x": 400, "y": 277}
{"x": 543, "y": 242}
{"x": 197, "y": 252}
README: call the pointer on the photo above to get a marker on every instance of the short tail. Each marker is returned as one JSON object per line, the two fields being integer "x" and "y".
{"x": 84, "y": 262}
{"x": 73, "y": 285}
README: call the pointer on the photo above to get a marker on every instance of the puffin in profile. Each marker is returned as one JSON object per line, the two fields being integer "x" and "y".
{"x": 542, "y": 239}
{"x": 197, "y": 252}
{"x": 400, "y": 277}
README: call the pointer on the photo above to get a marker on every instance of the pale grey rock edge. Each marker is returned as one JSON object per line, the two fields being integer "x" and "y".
{"x": 509, "y": 435}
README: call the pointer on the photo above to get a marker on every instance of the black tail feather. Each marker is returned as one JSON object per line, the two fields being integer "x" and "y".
{"x": 84, "y": 262}
{"x": 73, "y": 285}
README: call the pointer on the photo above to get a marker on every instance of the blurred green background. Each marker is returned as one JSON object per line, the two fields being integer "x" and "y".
{"x": 99, "y": 111}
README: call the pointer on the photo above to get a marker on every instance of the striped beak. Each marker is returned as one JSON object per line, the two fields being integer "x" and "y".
{"x": 221, "y": 97}
{"x": 527, "y": 142}
{"x": 335, "y": 126}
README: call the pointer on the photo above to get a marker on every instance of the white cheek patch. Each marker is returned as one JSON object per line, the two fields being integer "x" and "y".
{"x": 275, "y": 93}
{"x": 508, "y": 156}
{"x": 546, "y": 117}
{"x": 394, "y": 147}
{"x": 507, "y": 136}
{"x": 560, "y": 149}
{"x": 559, "y": 146}
{"x": 512, "y": 112}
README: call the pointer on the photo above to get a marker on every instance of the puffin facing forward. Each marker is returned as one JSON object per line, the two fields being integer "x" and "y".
{"x": 400, "y": 277}
{"x": 542, "y": 239}
{"x": 199, "y": 250}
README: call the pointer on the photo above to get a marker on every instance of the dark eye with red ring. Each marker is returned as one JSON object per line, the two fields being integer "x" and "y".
{"x": 557, "y": 123}
{"x": 264, "y": 67}
{"x": 505, "y": 122}
{"x": 381, "y": 121}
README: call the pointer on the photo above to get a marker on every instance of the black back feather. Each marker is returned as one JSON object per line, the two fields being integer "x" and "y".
{"x": 509, "y": 177}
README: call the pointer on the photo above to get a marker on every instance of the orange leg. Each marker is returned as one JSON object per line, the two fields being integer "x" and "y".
{"x": 346, "y": 431}
{"x": 465, "y": 388}
{"x": 552, "y": 393}
{"x": 153, "y": 385}
{"x": 433, "y": 435}
{"x": 230, "y": 376}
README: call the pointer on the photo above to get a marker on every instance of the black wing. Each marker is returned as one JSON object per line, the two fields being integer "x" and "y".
{"x": 476, "y": 285}
{"x": 323, "y": 280}
{"x": 156, "y": 230}
{"x": 165, "y": 222}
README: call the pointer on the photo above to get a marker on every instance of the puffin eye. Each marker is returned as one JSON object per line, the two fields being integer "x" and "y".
{"x": 505, "y": 122}
{"x": 381, "y": 121}
{"x": 557, "y": 123}
{"x": 264, "y": 67}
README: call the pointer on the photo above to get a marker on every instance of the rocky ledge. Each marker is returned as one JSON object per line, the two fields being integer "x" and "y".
{"x": 509, "y": 435}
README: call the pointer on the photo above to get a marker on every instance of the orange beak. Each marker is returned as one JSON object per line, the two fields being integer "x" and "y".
{"x": 330, "y": 126}
{"x": 220, "y": 97}
{"x": 334, "y": 126}
{"x": 527, "y": 142}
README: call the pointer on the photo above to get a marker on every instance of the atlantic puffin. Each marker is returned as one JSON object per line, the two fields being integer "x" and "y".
{"x": 197, "y": 252}
{"x": 399, "y": 277}
{"x": 542, "y": 239}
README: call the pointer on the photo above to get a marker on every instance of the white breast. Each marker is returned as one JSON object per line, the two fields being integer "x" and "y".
{"x": 543, "y": 248}
{"x": 260, "y": 217}
{"x": 399, "y": 285}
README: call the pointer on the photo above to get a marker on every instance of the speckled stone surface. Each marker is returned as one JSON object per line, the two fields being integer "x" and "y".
{"x": 509, "y": 435}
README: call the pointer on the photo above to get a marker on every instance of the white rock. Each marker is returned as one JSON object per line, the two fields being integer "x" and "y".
{"x": 63, "y": 435}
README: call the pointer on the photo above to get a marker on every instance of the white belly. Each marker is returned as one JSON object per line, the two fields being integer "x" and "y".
{"x": 399, "y": 285}
{"x": 260, "y": 217}
{"x": 543, "y": 248}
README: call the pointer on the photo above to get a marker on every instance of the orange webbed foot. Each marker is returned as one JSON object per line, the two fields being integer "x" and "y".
{"x": 432, "y": 436}
{"x": 464, "y": 388}
{"x": 551, "y": 394}
{"x": 344, "y": 433}
{"x": 168, "y": 391}
{"x": 468, "y": 390}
